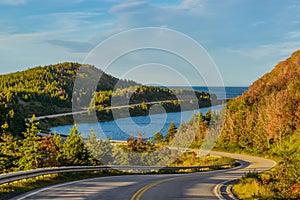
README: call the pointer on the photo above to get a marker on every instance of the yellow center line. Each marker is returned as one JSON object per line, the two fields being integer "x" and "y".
{"x": 138, "y": 194}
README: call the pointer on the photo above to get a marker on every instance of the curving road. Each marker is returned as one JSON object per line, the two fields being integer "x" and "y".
{"x": 86, "y": 111}
{"x": 200, "y": 185}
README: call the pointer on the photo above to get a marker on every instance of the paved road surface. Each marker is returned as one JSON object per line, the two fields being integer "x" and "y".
{"x": 86, "y": 111}
{"x": 153, "y": 187}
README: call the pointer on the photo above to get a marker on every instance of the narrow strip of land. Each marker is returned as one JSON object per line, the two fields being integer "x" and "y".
{"x": 106, "y": 108}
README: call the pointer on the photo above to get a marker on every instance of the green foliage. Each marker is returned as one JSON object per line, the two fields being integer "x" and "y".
{"x": 74, "y": 152}
{"x": 29, "y": 147}
{"x": 194, "y": 131}
{"x": 34, "y": 151}
{"x": 158, "y": 138}
{"x": 141, "y": 94}
{"x": 171, "y": 132}
{"x": 208, "y": 115}
{"x": 102, "y": 150}
{"x": 9, "y": 112}
{"x": 193, "y": 159}
{"x": 48, "y": 90}
{"x": 9, "y": 154}
{"x": 139, "y": 151}
{"x": 139, "y": 145}
{"x": 251, "y": 188}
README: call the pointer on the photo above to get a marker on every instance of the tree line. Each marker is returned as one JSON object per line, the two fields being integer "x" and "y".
{"x": 35, "y": 151}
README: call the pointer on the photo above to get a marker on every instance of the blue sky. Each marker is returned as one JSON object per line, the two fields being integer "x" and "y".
{"x": 245, "y": 38}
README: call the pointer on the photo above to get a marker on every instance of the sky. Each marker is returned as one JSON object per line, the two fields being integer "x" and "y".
{"x": 245, "y": 39}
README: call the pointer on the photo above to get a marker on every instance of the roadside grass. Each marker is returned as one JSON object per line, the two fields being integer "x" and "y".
{"x": 276, "y": 183}
{"x": 193, "y": 159}
{"x": 252, "y": 186}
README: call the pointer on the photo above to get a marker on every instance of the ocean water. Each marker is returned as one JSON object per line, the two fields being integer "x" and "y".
{"x": 147, "y": 126}
{"x": 221, "y": 92}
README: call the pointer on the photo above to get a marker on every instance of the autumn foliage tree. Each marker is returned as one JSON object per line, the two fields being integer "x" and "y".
{"x": 50, "y": 147}
{"x": 266, "y": 120}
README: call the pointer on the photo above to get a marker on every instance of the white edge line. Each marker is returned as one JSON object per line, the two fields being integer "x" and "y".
{"x": 217, "y": 188}
{"x": 58, "y": 185}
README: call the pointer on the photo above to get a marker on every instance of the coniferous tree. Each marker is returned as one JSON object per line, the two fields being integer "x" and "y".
{"x": 171, "y": 132}
{"x": 29, "y": 148}
{"x": 102, "y": 150}
{"x": 74, "y": 152}
{"x": 208, "y": 115}
{"x": 158, "y": 137}
{"x": 9, "y": 151}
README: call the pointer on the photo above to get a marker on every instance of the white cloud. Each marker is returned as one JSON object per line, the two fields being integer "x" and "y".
{"x": 13, "y": 2}
{"x": 187, "y": 4}
{"x": 182, "y": 17}
{"x": 195, "y": 6}
{"x": 127, "y": 6}
{"x": 73, "y": 46}
{"x": 292, "y": 35}
{"x": 20, "y": 51}
{"x": 264, "y": 51}
{"x": 70, "y": 21}
{"x": 258, "y": 23}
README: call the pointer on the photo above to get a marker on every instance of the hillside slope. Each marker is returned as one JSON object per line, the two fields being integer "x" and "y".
{"x": 44, "y": 90}
{"x": 266, "y": 120}
{"x": 268, "y": 111}
{"x": 50, "y": 90}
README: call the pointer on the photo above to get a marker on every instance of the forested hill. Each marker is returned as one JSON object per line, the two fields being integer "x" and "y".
{"x": 49, "y": 90}
{"x": 266, "y": 120}
{"x": 53, "y": 83}
{"x": 269, "y": 111}
{"x": 45, "y": 90}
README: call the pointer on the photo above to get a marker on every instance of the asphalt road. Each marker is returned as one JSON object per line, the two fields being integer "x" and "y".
{"x": 200, "y": 185}
{"x": 86, "y": 111}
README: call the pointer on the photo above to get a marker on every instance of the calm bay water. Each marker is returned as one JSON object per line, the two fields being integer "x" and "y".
{"x": 147, "y": 126}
